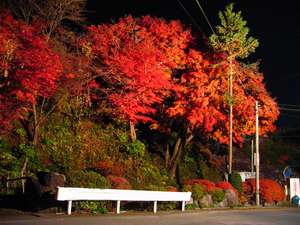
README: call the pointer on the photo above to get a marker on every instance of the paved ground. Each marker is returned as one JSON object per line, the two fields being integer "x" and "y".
{"x": 200, "y": 217}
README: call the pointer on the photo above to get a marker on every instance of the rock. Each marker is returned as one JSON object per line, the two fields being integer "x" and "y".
{"x": 222, "y": 204}
{"x": 50, "y": 181}
{"x": 33, "y": 188}
{"x": 190, "y": 202}
{"x": 206, "y": 201}
{"x": 231, "y": 198}
{"x": 267, "y": 204}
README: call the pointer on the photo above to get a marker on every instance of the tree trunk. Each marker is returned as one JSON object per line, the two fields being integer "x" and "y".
{"x": 175, "y": 156}
{"x": 35, "y": 136}
{"x": 36, "y": 126}
{"x": 22, "y": 173}
{"x": 167, "y": 156}
{"x": 178, "y": 148}
{"x": 132, "y": 132}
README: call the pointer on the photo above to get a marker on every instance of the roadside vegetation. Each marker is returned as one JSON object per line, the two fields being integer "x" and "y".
{"x": 141, "y": 103}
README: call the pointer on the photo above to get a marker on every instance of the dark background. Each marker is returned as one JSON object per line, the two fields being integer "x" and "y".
{"x": 276, "y": 24}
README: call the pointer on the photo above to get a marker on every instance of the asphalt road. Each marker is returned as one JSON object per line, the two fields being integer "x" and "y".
{"x": 200, "y": 217}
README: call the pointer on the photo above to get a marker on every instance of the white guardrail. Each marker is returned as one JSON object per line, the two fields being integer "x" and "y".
{"x": 76, "y": 194}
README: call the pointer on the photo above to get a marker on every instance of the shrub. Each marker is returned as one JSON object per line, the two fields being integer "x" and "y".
{"x": 167, "y": 205}
{"x": 93, "y": 206}
{"x": 217, "y": 195}
{"x": 119, "y": 182}
{"x": 197, "y": 192}
{"x": 110, "y": 168}
{"x": 187, "y": 188}
{"x": 135, "y": 149}
{"x": 246, "y": 187}
{"x": 151, "y": 177}
{"x": 207, "y": 185}
{"x": 86, "y": 179}
{"x": 89, "y": 179}
{"x": 270, "y": 191}
{"x": 236, "y": 181}
{"x": 171, "y": 188}
{"x": 225, "y": 186}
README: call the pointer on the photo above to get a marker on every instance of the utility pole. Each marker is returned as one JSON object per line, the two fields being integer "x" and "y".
{"x": 257, "y": 152}
{"x": 230, "y": 116}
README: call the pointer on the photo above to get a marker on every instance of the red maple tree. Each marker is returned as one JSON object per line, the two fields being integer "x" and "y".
{"x": 202, "y": 99}
{"x": 30, "y": 70}
{"x": 139, "y": 55}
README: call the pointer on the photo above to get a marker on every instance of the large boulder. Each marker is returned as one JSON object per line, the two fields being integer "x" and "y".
{"x": 206, "y": 201}
{"x": 231, "y": 198}
{"x": 50, "y": 181}
{"x": 40, "y": 193}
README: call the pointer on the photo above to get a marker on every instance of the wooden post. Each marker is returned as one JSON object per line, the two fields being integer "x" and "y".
{"x": 155, "y": 207}
{"x": 69, "y": 207}
{"x": 118, "y": 206}
{"x": 183, "y": 206}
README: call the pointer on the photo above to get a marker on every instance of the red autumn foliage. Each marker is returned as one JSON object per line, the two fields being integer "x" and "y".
{"x": 171, "y": 189}
{"x": 225, "y": 186}
{"x": 29, "y": 69}
{"x": 247, "y": 188}
{"x": 138, "y": 55}
{"x": 118, "y": 182}
{"x": 110, "y": 168}
{"x": 201, "y": 98}
{"x": 270, "y": 190}
{"x": 206, "y": 184}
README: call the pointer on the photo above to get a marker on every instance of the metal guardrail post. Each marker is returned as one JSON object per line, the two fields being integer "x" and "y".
{"x": 183, "y": 206}
{"x": 69, "y": 207}
{"x": 118, "y": 206}
{"x": 155, "y": 207}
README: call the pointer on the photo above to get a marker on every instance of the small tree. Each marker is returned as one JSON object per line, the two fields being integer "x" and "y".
{"x": 231, "y": 38}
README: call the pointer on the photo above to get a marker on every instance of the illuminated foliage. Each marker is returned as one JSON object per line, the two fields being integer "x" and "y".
{"x": 202, "y": 99}
{"x": 138, "y": 55}
{"x": 270, "y": 190}
{"x": 29, "y": 69}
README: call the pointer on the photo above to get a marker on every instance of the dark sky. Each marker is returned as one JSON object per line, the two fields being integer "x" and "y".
{"x": 276, "y": 24}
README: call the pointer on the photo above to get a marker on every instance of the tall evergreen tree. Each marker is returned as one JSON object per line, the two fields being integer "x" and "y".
{"x": 231, "y": 37}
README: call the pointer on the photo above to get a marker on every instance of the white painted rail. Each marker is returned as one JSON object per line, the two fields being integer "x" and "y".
{"x": 76, "y": 194}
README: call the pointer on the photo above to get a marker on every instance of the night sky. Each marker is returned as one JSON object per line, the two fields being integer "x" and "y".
{"x": 276, "y": 24}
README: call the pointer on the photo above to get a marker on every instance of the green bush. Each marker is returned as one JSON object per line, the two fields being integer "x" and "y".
{"x": 166, "y": 205}
{"x": 236, "y": 181}
{"x": 93, "y": 206}
{"x": 153, "y": 178}
{"x": 197, "y": 192}
{"x": 217, "y": 195}
{"x": 87, "y": 179}
{"x": 135, "y": 149}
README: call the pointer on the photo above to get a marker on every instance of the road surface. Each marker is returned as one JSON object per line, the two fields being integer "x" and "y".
{"x": 283, "y": 216}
